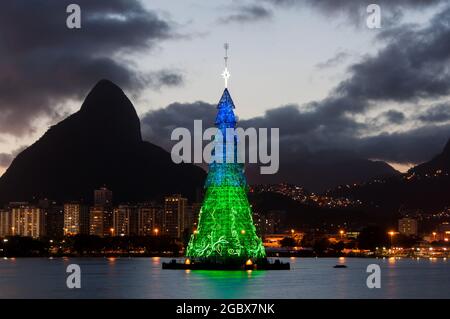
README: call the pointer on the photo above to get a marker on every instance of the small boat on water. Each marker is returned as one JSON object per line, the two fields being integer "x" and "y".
{"x": 339, "y": 266}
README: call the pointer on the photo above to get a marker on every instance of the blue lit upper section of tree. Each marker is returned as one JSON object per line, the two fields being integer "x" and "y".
{"x": 225, "y": 116}
{"x": 222, "y": 172}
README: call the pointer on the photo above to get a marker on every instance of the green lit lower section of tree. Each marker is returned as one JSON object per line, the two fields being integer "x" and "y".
{"x": 226, "y": 227}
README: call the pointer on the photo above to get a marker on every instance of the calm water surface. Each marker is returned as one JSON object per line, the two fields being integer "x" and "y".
{"x": 144, "y": 278}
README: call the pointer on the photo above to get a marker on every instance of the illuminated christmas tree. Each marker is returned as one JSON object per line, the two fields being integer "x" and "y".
{"x": 225, "y": 229}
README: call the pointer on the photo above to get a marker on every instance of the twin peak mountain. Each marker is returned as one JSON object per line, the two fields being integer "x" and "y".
{"x": 101, "y": 144}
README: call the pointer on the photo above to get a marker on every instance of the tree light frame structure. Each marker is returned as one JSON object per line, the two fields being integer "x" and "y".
{"x": 225, "y": 232}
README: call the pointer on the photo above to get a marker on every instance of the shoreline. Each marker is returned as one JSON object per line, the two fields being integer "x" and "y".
{"x": 128, "y": 256}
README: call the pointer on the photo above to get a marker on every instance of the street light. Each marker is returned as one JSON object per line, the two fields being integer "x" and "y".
{"x": 112, "y": 232}
{"x": 156, "y": 231}
{"x": 391, "y": 234}
{"x": 434, "y": 236}
{"x": 341, "y": 232}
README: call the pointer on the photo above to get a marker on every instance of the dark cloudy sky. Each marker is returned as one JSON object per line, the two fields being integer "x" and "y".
{"x": 310, "y": 67}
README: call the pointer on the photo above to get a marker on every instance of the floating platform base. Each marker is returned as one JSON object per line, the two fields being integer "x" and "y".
{"x": 192, "y": 265}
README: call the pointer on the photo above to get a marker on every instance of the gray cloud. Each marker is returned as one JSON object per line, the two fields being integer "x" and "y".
{"x": 412, "y": 66}
{"x": 157, "y": 125}
{"x": 339, "y": 58}
{"x": 436, "y": 114}
{"x": 355, "y": 11}
{"x": 165, "y": 78}
{"x": 303, "y": 134}
{"x": 413, "y": 146}
{"x": 331, "y": 5}
{"x": 247, "y": 14}
{"x": 45, "y": 64}
{"x": 6, "y": 158}
{"x": 393, "y": 116}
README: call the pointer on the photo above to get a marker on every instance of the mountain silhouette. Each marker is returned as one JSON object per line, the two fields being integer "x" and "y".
{"x": 100, "y": 145}
{"x": 439, "y": 163}
{"x": 425, "y": 187}
{"x": 323, "y": 170}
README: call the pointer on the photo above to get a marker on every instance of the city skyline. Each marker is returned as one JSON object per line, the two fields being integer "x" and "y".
{"x": 177, "y": 218}
{"x": 172, "y": 217}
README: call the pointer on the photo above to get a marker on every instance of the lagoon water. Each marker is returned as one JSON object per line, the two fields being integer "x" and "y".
{"x": 144, "y": 278}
